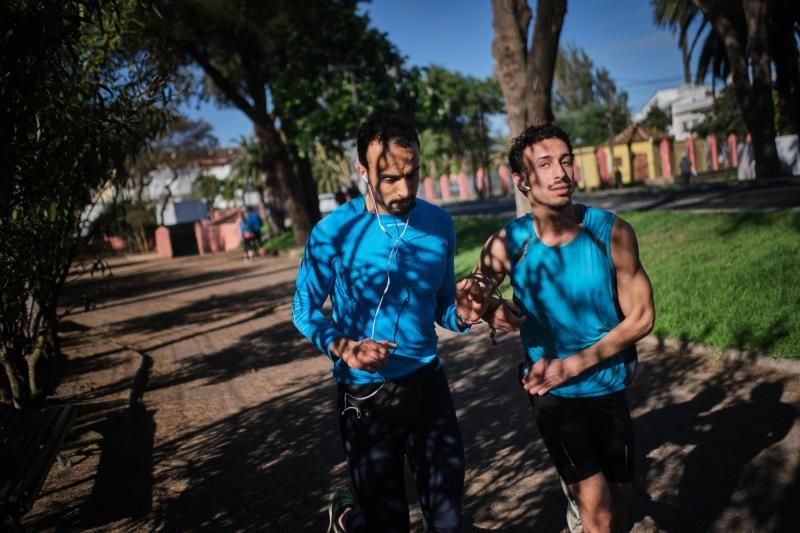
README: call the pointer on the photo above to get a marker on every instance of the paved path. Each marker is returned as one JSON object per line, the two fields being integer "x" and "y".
{"x": 762, "y": 195}
{"x": 204, "y": 410}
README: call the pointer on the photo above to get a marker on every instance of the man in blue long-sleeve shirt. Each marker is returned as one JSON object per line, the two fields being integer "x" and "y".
{"x": 386, "y": 262}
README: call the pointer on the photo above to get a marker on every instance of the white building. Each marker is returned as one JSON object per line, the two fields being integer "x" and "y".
{"x": 686, "y": 104}
{"x": 175, "y": 186}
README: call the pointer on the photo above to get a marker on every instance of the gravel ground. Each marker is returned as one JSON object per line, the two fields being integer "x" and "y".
{"x": 201, "y": 408}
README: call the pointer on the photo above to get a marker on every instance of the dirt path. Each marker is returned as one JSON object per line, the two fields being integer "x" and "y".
{"x": 209, "y": 412}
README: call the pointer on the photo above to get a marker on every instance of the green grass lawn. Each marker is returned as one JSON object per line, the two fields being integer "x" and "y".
{"x": 730, "y": 280}
{"x": 284, "y": 241}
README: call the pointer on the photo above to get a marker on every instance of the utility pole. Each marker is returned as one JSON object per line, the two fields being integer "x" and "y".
{"x": 610, "y": 115}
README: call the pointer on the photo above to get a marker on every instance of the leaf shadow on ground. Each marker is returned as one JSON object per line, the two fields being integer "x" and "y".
{"x": 271, "y": 466}
{"x": 695, "y": 458}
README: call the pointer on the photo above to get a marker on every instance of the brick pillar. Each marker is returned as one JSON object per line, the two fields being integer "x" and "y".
{"x": 732, "y": 146}
{"x": 463, "y": 186}
{"x": 200, "y": 237}
{"x": 430, "y": 190}
{"x": 444, "y": 181}
{"x": 602, "y": 165}
{"x": 163, "y": 242}
{"x": 690, "y": 149}
{"x": 714, "y": 150}
{"x": 480, "y": 177}
{"x": 505, "y": 178}
{"x": 666, "y": 157}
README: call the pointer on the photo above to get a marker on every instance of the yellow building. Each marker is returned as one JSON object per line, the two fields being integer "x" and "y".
{"x": 637, "y": 156}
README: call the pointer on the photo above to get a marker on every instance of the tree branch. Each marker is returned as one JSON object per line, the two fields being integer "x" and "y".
{"x": 222, "y": 83}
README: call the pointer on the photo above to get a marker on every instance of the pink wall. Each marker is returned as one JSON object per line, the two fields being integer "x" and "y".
{"x": 211, "y": 238}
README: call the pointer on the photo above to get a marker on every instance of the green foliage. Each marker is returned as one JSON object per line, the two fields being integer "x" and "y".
{"x": 588, "y": 126}
{"x": 281, "y": 243}
{"x": 728, "y": 280}
{"x": 208, "y": 187}
{"x": 580, "y": 96}
{"x": 246, "y": 167}
{"x": 331, "y": 168}
{"x": 74, "y": 109}
{"x": 725, "y": 116}
{"x": 452, "y": 112}
{"x": 657, "y": 119}
{"x": 304, "y": 72}
{"x": 575, "y": 83}
{"x": 133, "y": 221}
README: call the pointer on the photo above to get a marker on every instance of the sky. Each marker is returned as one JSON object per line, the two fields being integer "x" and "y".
{"x": 457, "y": 34}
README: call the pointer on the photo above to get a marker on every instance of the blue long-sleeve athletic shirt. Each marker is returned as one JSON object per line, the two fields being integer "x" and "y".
{"x": 347, "y": 258}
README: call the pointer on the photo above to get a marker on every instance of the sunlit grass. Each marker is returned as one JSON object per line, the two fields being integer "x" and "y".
{"x": 730, "y": 280}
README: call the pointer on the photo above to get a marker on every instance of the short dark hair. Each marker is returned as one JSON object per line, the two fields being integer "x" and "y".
{"x": 387, "y": 129}
{"x": 531, "y": 136}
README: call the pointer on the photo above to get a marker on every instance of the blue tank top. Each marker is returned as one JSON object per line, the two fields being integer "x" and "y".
{"x": 567, "y": 293}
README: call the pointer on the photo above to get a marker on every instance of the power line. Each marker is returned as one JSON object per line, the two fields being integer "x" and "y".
{"x": 630, "y": 82}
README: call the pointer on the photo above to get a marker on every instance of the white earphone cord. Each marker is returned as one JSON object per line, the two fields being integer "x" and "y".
{"x": 392, "y": 253}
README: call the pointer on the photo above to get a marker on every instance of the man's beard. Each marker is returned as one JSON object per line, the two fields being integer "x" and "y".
{"x": 399, "y": 209}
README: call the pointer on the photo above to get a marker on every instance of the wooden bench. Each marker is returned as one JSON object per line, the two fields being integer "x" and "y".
{"x": 29, "y": 444}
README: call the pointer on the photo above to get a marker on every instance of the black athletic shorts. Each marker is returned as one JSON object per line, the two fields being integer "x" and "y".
{"x": 585, "y": 436}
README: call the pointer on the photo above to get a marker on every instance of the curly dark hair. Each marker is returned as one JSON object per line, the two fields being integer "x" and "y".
{"x": 533, "y": 135}
{"x": 387, "y": 129}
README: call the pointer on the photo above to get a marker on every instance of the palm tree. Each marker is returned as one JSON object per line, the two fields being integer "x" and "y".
{"x": 740, "y": 30}
{"x": 247, "y": 174}
{"x": 783, "y": 17}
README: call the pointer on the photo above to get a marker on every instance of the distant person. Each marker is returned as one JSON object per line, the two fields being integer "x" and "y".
{"x": 586, "y": 300}
{"x": 352, "y": 192}
{"x": 248, "y": 235}
{"x": 386, "y": 262}
{"x": 685, "y": 167}
{"x": 255, "y": 222}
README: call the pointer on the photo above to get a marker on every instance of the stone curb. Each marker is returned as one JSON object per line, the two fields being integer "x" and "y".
{"x": 746, "y": 356}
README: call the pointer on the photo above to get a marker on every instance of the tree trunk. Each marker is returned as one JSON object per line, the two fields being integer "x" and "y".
{"x": 306, "y": 177}
{"x": 18, "y": 395}
{"x": 276, "y": 216}
{"x": 511, "y": 19}
{"x": 763, "y": 128}
{"x": 542, "y": 61}
{"x": 783, "y": 50}
{"x": 687, "y": 70}
{"x": 755, "y": 100}
{"x": 526, "y": 77}
{"x": 293, "y": 193}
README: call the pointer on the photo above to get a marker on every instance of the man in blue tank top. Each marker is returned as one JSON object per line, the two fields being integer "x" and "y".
{"x": 386, "y": 262}
{"x": 586, "y": 300}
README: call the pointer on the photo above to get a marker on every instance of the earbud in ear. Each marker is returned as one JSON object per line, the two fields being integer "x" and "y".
{"x": 524, "y": 187}
{"x": 364, "y": 177}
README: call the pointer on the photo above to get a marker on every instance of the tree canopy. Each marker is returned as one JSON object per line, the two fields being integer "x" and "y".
{"x": 303, "y": 71}
{"x": 581, "y": 92}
